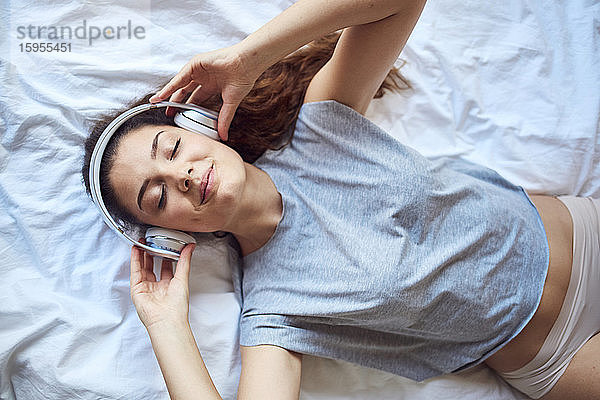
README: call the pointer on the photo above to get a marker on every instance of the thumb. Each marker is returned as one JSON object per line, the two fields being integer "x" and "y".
{"x": 225, "y": 117}
{"x": 182, "y": 270}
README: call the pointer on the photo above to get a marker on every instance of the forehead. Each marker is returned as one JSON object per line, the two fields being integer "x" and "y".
{"x": 135, "y": 147}
{"x": 139, "y": 135}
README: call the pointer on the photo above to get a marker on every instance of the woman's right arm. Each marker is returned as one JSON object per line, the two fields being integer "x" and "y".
{"x": 233, "y": 70}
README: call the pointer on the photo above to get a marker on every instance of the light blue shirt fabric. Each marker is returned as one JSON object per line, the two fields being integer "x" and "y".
{"x": 387, "y": 259}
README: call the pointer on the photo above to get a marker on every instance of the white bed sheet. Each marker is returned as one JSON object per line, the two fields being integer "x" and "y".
{"x": 512, "y": 85}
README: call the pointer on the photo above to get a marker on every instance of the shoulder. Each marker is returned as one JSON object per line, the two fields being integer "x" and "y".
{"x": 331, "y": 115}
{"x": 333, "y": 127}
{"x": 328, "y": 105}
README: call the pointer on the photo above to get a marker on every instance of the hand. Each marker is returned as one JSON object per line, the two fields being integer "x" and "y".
{"x": 206, "y": 74}
{"x": 166, "y": 300}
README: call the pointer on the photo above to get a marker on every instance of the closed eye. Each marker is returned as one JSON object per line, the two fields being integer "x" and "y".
{"x": 163, "y": 198}
{"x": 175, "y": 148}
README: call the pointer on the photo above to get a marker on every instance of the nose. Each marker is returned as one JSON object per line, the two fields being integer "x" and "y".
{"x": 184, "y": 179}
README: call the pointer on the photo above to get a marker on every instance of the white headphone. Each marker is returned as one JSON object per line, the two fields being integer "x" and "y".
{"x": 160, "y": 242}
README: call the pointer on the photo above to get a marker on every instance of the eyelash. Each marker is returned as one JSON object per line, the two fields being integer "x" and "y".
{"x": 161, "y": 201}
{"x": 175, "y": 149}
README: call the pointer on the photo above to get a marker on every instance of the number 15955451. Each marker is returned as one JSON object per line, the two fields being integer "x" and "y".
{"x": 45, "y": 47}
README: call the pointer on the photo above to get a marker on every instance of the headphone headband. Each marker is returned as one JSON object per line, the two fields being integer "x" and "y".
{"x": 96, "y": 159}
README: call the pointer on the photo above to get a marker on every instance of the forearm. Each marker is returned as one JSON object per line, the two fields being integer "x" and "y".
{"x": 181, "y": 364}
{"x": 307, "y": 20}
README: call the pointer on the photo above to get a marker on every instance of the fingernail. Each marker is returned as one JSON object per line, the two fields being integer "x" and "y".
{"x": 154, "y": 98}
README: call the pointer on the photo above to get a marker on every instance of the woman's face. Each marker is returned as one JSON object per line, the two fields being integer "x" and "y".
{"x": 171, "y": 177}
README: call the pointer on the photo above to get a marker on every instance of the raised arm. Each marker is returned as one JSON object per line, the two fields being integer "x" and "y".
{"x": 362, "y": 59}
{"x": 232, "y": 71}
{"x": 307, "y": 20}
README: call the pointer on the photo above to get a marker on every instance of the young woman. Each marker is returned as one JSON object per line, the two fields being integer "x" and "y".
{"x": 354, "y": 246}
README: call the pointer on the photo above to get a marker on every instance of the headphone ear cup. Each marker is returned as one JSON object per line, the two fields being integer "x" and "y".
{"x": 195, "y": 121}
{"x": 168, "y": 239}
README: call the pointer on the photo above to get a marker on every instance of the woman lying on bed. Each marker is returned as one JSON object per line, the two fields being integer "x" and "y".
{"x": 354, "y": 246}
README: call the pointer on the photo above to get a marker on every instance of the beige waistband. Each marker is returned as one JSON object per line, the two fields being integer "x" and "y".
{"x": 579, "y": 317}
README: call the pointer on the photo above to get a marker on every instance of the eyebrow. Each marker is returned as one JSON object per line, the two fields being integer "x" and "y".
{"x": 155, "y": 145}
{"x": 141, "y": 193}
{"x": 147, "y": 181}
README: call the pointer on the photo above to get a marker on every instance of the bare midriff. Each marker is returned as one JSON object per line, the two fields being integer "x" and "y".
{"x": 559, "y": 230}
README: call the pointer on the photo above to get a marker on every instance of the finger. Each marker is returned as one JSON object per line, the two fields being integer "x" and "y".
{"x": 166, "y": 270}
{"x": 179, "y": 97}
{"x": 135, "y": 267}
{"x": 149, "y": 267}
{"x": 181, "y": 94}
{"x": 199, "y": 95}
{"x": 182, "y": 270}
{"x": 142, "y": 240}
{"x": 180, "y": 80}
{"x": 225, "y": 117}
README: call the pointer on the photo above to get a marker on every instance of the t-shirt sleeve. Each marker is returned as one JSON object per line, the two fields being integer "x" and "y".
{"x": 265, "y": 329}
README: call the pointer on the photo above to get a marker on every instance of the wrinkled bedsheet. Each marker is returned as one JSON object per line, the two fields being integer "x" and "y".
{"x": 512, "y": 85}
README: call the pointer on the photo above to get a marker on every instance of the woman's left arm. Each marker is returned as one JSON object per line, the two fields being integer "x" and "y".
{"x": 163, "y": 308}
{"x": 180, "y": 362}
{"x": 363, "y": 57}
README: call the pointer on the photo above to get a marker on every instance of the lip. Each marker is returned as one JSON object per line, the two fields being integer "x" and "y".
{"x": 207, "y": 183}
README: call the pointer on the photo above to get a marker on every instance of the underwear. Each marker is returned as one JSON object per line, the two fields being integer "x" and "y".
{"x": 579, "y": 317}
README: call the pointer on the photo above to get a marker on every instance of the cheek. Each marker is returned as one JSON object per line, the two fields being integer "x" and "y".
{"x": 178, "y": 214}
{"x": 182, "y": 216}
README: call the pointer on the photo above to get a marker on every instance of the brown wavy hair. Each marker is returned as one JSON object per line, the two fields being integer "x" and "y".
{"x": 265, "y": 116}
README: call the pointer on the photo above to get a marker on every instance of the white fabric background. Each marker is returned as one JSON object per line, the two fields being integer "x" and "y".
{"x": 513, "y": 85}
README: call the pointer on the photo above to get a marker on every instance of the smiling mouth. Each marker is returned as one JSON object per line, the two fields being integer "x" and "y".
{"x": 206, "y": 184}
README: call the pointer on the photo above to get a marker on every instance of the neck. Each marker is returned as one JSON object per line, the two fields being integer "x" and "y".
{"x": 260, "y": 209}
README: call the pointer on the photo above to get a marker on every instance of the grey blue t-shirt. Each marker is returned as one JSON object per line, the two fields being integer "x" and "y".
{"x": 385, "y": 258}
